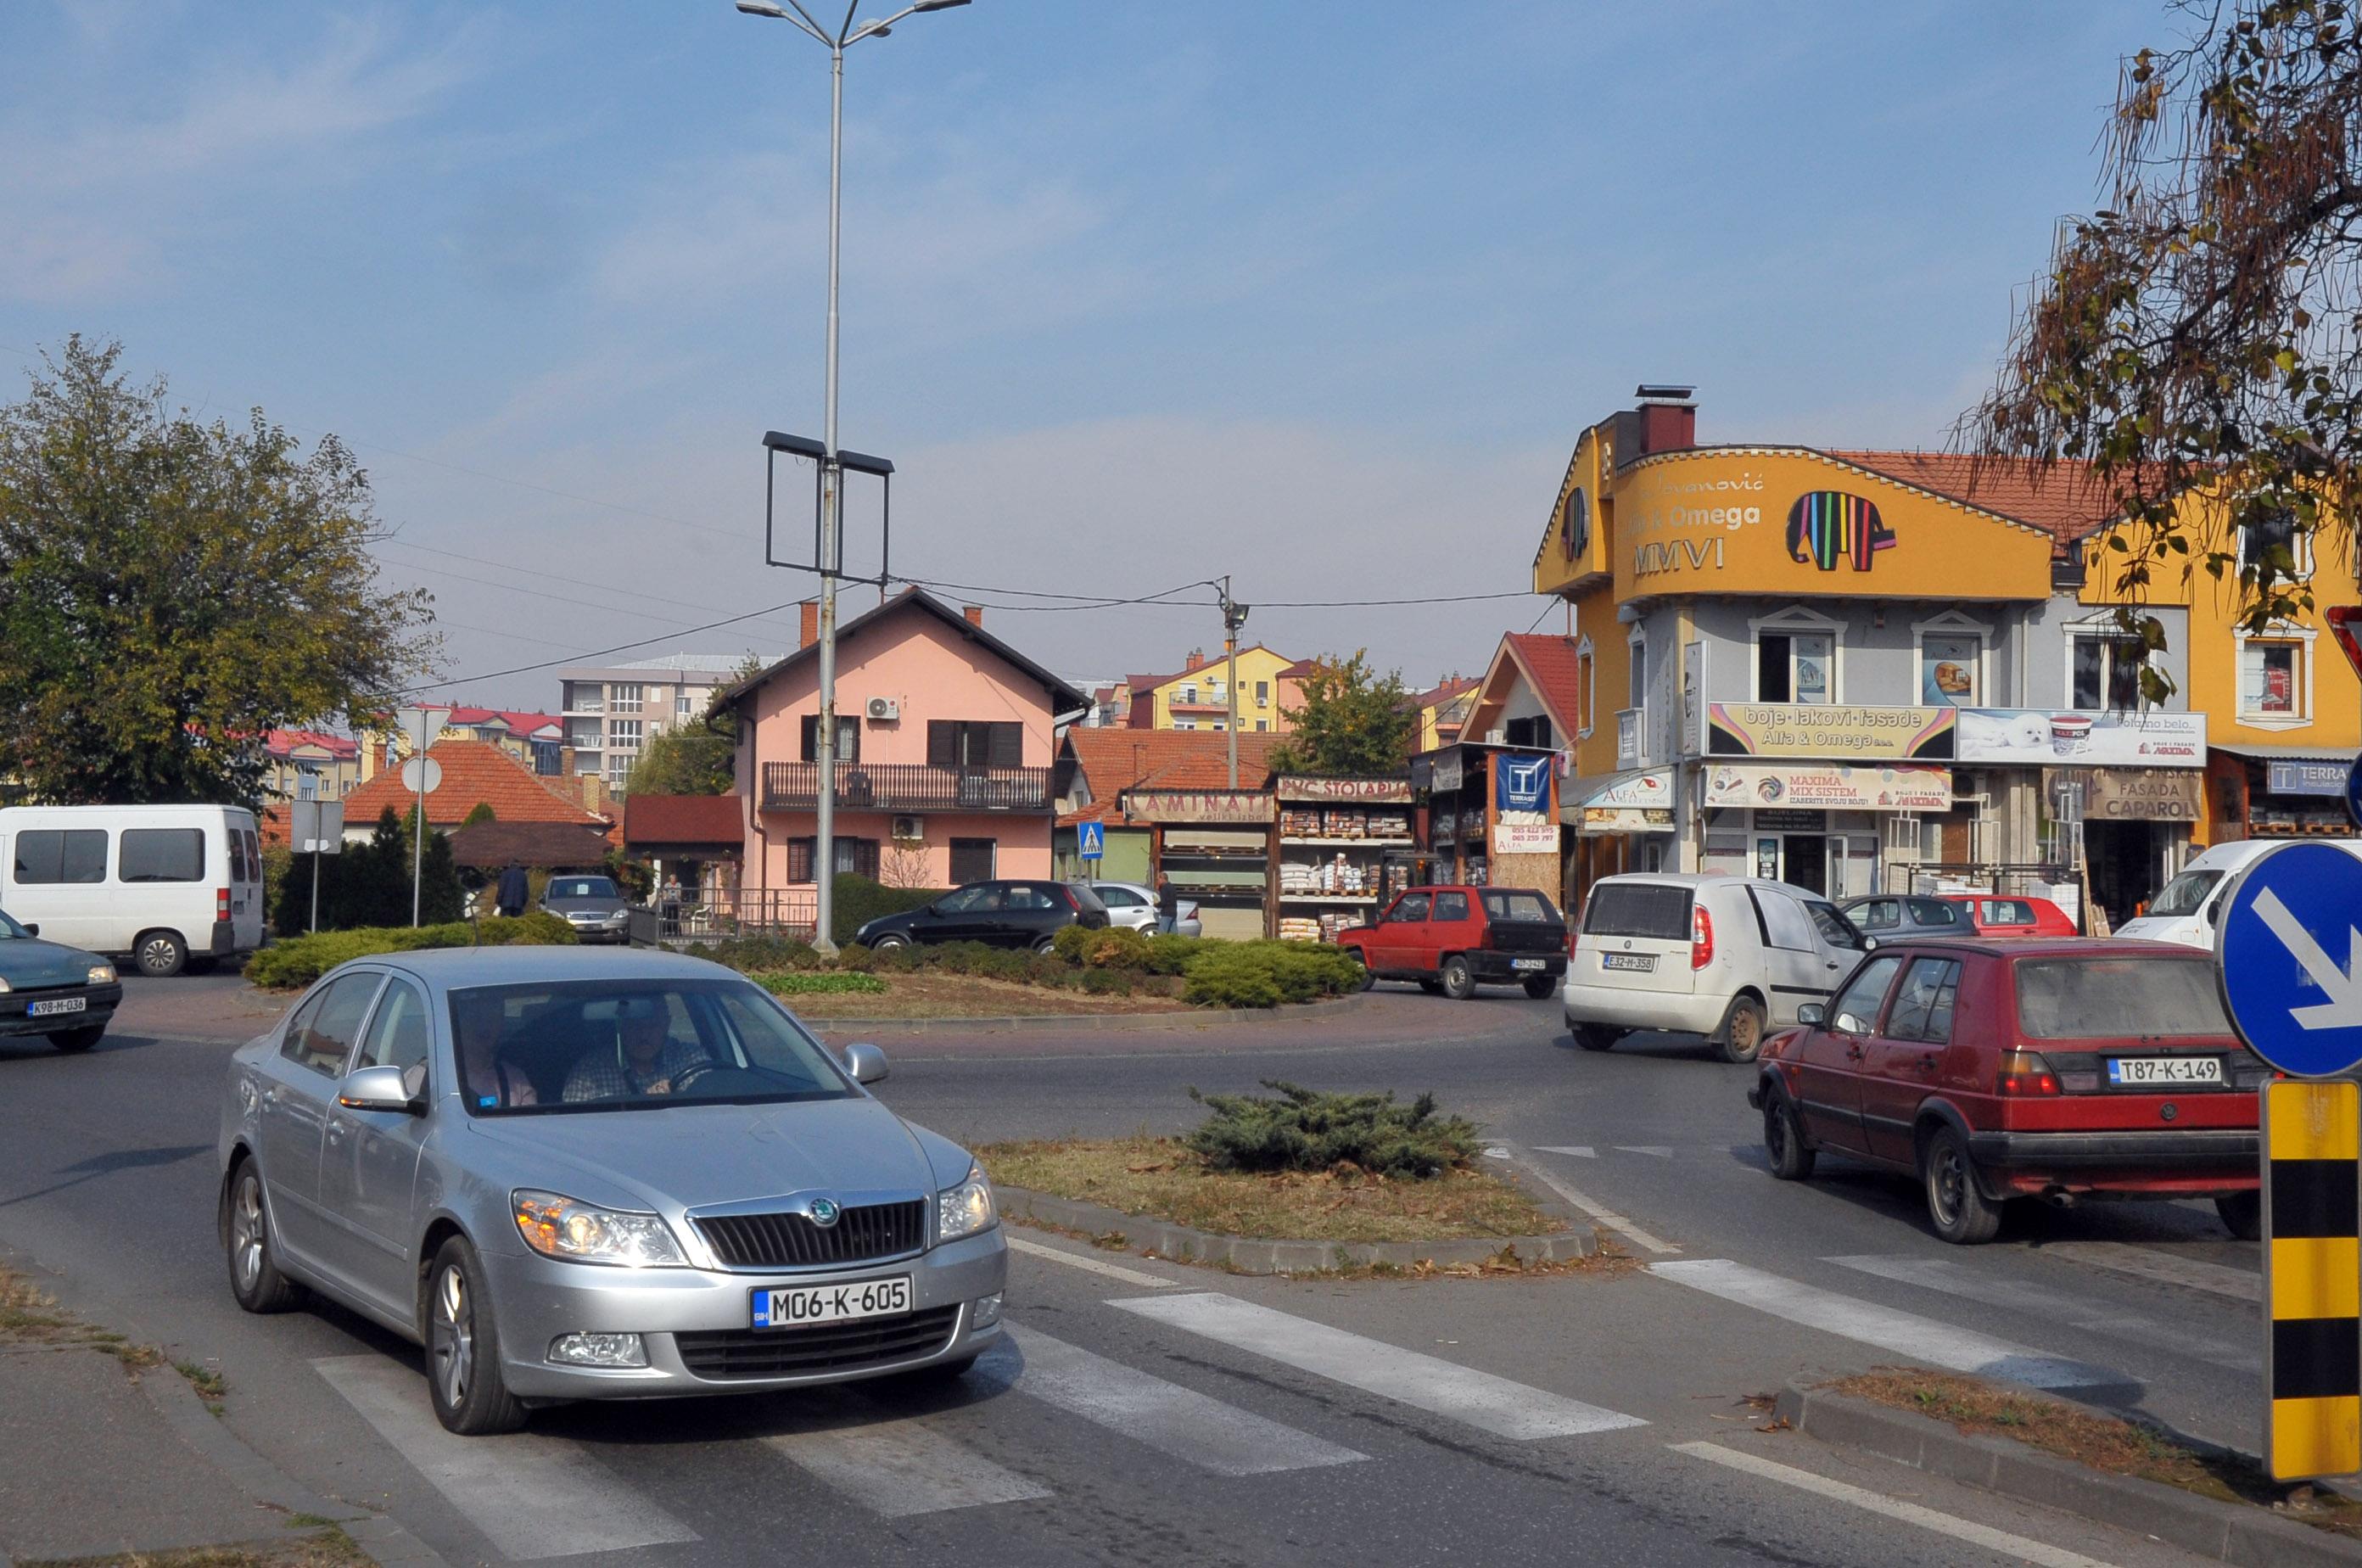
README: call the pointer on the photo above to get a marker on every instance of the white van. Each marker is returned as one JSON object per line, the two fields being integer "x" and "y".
{"x": 1727, "y": 957}
{"x": 170, "y": 887}
{"x": 2186, "y": 911}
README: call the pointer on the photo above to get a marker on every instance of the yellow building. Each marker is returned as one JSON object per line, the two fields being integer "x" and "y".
{"x": 1443, "y": 712}
{"x": 1198, "y": 697}
{"x": 1864, "y": 671}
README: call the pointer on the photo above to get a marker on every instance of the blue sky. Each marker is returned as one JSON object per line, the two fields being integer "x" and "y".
{"x": 1317, "y": 295}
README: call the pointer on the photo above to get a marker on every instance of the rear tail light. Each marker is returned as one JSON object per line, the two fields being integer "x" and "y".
{"x": 1701, "y": 937}
{"x": 1068, "y": 894}
{"x": 1572, "y": 937}
{"x": 2024, "y": 1072}
{"x": 221, "y": 903}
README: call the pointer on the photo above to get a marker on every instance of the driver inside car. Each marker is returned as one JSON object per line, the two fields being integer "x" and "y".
{"x": 645, "y": 1060}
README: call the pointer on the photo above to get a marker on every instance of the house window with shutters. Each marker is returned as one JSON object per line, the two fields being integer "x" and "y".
{"x": 856, "y": 857}
{"x": 972, "y": 860}
{"x": 969, "y": 742}
{"x": 848, "y": 737}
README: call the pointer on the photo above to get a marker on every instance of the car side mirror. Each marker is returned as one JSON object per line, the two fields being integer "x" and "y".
{"x": 1870, "y": 945}
{"x": 32, "y": 928}
{"x": 865, "y": 1063}
{"x": 378, "y": 1089}
{"x": 1811, "y": 1015}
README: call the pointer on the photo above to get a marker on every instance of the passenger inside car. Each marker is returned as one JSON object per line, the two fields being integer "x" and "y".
{"x": 490, "y": 1081}
{"x": 644, "y": 1059}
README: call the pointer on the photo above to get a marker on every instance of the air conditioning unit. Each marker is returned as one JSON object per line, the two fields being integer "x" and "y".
{"x": 882, "y": 708}
{"x": 908, "y": 830}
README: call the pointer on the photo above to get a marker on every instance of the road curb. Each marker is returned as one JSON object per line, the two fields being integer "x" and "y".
{"x": 2224, "y": 1532}
{"x": 1123, "y": 1023}
{"x": 1251, "y": 1256}
{"x": 184, "y": 1411}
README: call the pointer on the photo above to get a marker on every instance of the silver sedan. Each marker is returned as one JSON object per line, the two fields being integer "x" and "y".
{"x": 1133, "y": 904}
{"x": 581, "y": 1176}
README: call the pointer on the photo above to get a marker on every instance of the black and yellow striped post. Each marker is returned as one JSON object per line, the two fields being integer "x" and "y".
{"x": 2313, "y": 1278}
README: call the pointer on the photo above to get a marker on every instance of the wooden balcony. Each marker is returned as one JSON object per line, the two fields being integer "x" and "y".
{"x": 905, "y": 787}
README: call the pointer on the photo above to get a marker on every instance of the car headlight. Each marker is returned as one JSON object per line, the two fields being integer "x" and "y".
{"x": 964, "y": 1209}
{"x": 574, "y": 1231}
{"x": 3, "y": 986}
{"x": 102, "y": 973}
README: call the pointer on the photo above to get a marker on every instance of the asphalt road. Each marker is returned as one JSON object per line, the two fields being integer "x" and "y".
{"x": 1178, "y": 1415}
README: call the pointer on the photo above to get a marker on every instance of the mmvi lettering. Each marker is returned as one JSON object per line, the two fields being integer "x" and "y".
{"x": 1692, "y": 555}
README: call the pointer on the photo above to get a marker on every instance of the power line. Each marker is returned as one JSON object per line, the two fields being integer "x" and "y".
{"x": 603, "y": 653}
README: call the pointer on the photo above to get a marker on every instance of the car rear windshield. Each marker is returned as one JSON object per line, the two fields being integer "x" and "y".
{"x": 632, "y": 1044}
{"x": 1507, "y": 905}
{"x": 2008, "y": 911}
{"x": 2118, "y": 997}
{"x": 2186, "y": 894}
{"x": 1638, "y": 909}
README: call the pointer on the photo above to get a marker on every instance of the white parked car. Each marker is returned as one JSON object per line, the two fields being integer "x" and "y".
{"x": 171, "y": 886}
{"x": 2185, "y": 911}
{"x": 1727, "y": 957}
{"x": 1133, "y": 905}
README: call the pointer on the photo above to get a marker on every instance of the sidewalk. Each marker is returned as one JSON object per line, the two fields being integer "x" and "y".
{"x": 198, "y": 1007}
{"x": 114, "y": 1451}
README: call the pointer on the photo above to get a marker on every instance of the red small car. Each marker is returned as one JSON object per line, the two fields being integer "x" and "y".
{"x": 2009, "y": 915}
{"x": 2032, "y": 1067}
{"x": 1453, "y": 939}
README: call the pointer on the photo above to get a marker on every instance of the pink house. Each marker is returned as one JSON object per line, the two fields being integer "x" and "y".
{"x": 945, "y": 743}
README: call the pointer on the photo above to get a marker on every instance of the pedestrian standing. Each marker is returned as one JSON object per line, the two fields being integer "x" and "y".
{"x": 1168, "y": 904}
{"x": 513, "y": 891}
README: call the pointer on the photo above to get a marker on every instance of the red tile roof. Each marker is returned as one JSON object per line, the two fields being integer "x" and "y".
{"x": 1114, "y": 760}
{"x": 1445, "y": 692}
{"x": 2062, "y": 498}
{"x": 281, "y": 743}
{"x": 1550, "y": 667}
{"x": 474, "y": 773}
{"x": 567, "y": 846}
{"x": 654, "y": 822}
{"x": 1211, "y": 667}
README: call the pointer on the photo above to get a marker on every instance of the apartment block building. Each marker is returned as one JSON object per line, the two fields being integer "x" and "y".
{"x": 612, "y": 711}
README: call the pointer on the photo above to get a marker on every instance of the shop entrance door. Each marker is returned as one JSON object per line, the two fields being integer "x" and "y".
{"x": 2127, "y": 860}
{"x": 1805, "y": 861}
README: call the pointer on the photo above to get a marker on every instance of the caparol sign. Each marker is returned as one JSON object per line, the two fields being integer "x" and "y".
{"x": 2137, "y": 794}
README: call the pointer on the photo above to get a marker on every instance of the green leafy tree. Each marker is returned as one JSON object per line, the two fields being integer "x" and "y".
{"x": 483, "y": 812}
{"x": 700, "y": 757}
{"x": 171, "y": 589}
{"x": 2198, "y": 332}
{"x": 369, "y": 883}
{"x": 1353, "y": 723}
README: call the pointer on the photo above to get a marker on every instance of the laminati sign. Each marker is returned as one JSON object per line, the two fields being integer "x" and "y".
{"x": 1245, "y": 808}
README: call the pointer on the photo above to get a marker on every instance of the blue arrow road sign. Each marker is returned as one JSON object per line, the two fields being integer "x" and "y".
{"x": 1093, "y": 840}
{"x": 2289, "y": 955}
{"x": 2354, "y": 792}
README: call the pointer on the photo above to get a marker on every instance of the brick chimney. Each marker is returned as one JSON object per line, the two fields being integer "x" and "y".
{"x": 975, "y": 613}
{"x": 1668, "y": 418}
{"x": 1196, "y": 660}
{"x": 809, "y": 633}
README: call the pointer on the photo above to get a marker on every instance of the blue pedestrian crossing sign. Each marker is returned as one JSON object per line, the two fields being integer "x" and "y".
{"x": 2288, "y": 955}
{"x": 2354, "y": 792}
{"x": 1092, "y": 841}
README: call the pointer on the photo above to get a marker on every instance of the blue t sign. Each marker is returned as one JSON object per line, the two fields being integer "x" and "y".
{"x": 2289, "y": 958}
{"x": 2354, "y": 792}
{"x": 1091, "y": 839}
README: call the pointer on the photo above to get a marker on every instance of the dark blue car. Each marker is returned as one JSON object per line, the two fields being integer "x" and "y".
{"x": 50, "y": 989}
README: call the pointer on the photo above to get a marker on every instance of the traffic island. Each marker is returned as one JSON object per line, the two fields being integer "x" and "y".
{"x": 2037, "y": 1448}
{"x": 1303, "y": 1182}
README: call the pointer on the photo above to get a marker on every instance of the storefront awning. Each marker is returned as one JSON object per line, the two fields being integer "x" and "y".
{"x": 1636, "y": 787}
{"x": 2289, "y": 753}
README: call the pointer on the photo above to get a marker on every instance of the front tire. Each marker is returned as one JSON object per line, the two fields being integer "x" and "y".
{"x": 1742, "y": 1034}
{"x": 162, "y": 953}
{"x": 1046, "y": 945}
{"x": 1596, "y": 1036}
{"x": 254, "y": 1277}
{"x": 1457, "y": 979}
{"x": 1783, "y": 1140}
{"x": 74, "y": 1042}
{"x": 1960, "y": 1213}
{"x": 889, "y": 941}
{"x": 2242, "y": 1214}
{"x": 1369, "y": 976}
{"x": 1540, "y": 986}
{"x": 463, "y": 1348}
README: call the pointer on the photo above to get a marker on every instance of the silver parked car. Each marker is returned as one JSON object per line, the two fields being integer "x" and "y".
{"x": 1133, "y": 904}
{"x": 578, "y": 1175}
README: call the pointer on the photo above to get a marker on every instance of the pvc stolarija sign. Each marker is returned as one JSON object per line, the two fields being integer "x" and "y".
{"x": 1357, "y": 792}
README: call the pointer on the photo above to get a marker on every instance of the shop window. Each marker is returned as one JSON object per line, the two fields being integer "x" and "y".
{"x": 2270, "y": 678}
{"x": 2104, "y": 670}
{"x": 1949, "y": 670}
{"x": 848, "y": 737}
{"x": 1793, "y": 667}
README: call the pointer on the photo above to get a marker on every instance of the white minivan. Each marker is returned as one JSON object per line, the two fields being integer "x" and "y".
{"x": 2186, "y": 911}
{"x": 1727, "y": 957}
{"x": 170, "y": 887}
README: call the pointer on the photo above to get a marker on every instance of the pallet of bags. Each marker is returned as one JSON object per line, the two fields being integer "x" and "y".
{"x": 1298, "y": 928}
{"x": 1339, "y": 823}
{"x": 1388, "y": 824}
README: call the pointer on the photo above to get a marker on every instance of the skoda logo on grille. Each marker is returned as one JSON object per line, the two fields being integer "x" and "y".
{"x": 825, "y": 1212}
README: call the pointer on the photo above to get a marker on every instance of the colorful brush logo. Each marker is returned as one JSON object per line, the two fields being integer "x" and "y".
{"x": 1827, "y": 527}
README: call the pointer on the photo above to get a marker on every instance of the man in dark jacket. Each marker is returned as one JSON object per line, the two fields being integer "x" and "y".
{"x": 513, "y": 891}
{"x": 1168, "y": 904}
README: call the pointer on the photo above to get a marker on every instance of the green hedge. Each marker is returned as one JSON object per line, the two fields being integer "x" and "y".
{"x": 300, "y": 960}
{"x": 1302, "y": 1130}
{"x": 860, "y": 900}
{"x": 1266, "y": 974}
{"x": 820, "y": 984}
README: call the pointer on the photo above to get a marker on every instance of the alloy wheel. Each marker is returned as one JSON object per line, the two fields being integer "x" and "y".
{"x": 245, "y": 1232}
{"x": 453, "y": 1343}
{"x": 1946, "y": 1178}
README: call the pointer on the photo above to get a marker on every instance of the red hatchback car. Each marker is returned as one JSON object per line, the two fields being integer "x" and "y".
{"x": 1453, "y": 939}
{"x": 2006, "y": 915}
{"x": 1994, "y": 1070}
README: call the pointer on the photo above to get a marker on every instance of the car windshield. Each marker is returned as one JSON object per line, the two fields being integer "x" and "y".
{"x": 10, "y": 930}
{"x": 627, "y": 1044}
{"x": 2186, "y": 894}
{"x": 2116, "y": 998}
{"x": 581, "y": 888}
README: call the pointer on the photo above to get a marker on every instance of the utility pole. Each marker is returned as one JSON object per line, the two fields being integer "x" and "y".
{"x": 1234, "y": 616}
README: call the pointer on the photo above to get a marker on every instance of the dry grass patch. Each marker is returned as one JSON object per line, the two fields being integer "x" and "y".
{"x": 1159, "y": 1178}
{"x": 931, "y": 995}
{"x": 2102, "y": 1443}
{"x": 329, "y": 1549}
{"x": 31, "y": 1316}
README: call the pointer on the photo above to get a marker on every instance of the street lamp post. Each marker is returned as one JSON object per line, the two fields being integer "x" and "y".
{"x": 832, "y": 471}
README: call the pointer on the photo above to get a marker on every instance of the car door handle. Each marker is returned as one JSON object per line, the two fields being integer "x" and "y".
{"x": 1853, "y": 1052}
{"x": 1928, "y": 1062}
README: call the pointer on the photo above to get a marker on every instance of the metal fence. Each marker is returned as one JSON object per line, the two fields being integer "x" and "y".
{"x": 767, "y": 911}
{"x": 909, "y": 786}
